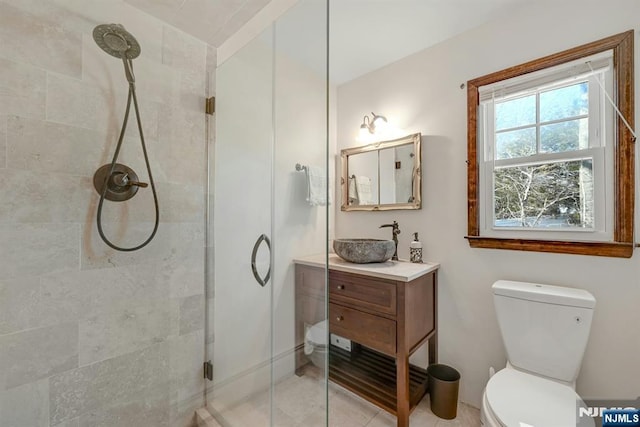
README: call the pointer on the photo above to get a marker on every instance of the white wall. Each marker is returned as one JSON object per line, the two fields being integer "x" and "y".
{"x": 422, "y": 93}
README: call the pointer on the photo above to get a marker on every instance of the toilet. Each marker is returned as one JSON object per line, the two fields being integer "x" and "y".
{"x": 545, "y": 330}
{"x": 315, "y": 343}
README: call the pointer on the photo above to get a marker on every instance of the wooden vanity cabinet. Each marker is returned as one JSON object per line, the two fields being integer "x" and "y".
{"x": 386, "y": 320}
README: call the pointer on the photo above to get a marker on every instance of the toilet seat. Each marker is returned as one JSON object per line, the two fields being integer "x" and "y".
{"x": 317, "y": 334}
{"x": 519, "y": 399}
{"x": 316, "y": 337}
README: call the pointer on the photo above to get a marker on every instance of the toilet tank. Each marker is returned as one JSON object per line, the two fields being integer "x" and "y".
{"x": 545, "y": 328}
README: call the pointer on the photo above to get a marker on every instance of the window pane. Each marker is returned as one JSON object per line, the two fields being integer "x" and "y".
{"x": 516, "y": 112}
{"x": 565, "y": 136}
{"x": 551, "y": 195}
{"x": 517, "y": 143}
{"x": 569, "y": 101}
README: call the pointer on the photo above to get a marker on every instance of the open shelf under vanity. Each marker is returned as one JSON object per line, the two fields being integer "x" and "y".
{"x": 372, "y": 376}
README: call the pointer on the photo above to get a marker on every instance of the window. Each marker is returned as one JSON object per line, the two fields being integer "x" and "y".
{"x": 550, "y": 163}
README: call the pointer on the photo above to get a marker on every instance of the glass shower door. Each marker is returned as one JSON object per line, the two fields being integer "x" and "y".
{"x": 271, "y": 114}
{"x": 241, "y": 306}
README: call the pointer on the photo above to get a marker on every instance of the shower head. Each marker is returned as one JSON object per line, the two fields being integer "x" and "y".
{"x": 116, "y": 41}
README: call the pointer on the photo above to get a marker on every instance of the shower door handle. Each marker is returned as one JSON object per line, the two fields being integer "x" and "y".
{"x": 254, "y": 269}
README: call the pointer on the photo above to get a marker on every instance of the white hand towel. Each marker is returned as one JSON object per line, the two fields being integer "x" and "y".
{"x": 317, "y": 186}
{"x": 363, "y": 185}
{"x": 353, "y": 191}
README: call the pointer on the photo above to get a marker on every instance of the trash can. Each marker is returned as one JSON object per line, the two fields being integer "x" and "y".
{"x": 443, "y": 384}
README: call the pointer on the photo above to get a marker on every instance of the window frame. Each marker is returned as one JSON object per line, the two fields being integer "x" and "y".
{"x": 622, "y": 243}
{"x": 601, "y": 153}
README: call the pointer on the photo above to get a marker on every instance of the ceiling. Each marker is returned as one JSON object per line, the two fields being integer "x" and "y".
{"x": 368, "y": 34}
{"x": 364, "y": 34}
{"x": 212, "y": 21}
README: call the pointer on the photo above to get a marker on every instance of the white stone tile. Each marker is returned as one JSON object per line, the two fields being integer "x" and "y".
{"x": 57, "y": 351}
{"x": 119, "y": 332}
{"x": 182, "y": 202}
{"x": 192, "y": 314}
{"x": 112, "y": 382}
{"x": 184, "y": 272}
{"x": 31, "y": 197}
{"x": 185, "y": 368}
{"x": 178, "y": 203}
{"x": 22, "y": 89}
{"x": 182, "y": 51}
{"x": 15, "y": 298}
{"x": 73, "y": 15}
{"x": 69, "y": 423}
{"x": 72, "y": 101}
{"x": 25, "y": 405}
{"x": 248, "y": 415}
{"x": 30, "y": 250}
{"x": 184, "y": 413}
{"x": 111, "y": 103}
{"x": 3, "y": 141}
{"x": 193, "y": 90}
{"x": 210, "y": 328}
{"x": 147, "y": 410}
{"x": 339, "y": 418}
{"x": 50, "y": 147}
{"x": 182, "y": 144}
{"x": 170, "y": 248}
{"x": 385, "y": 419}
{"x": 25, "y": 37}
{"x": 186, "y": 371}
{"x": 212, "y": 65}
{"x": 319, "y": 418}
{"x": 300, "y": 397}
{"x": 467, "y": 416}
{"x": 350, "y": 409}
{"x": 33, "y": 302}
{"x": 205, "y": 419}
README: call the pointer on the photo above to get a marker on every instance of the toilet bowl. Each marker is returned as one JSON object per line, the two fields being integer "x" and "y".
{"x": 315, "y": 343}
{"x": 516, "y": 398}
{"x": 545, "y": 330}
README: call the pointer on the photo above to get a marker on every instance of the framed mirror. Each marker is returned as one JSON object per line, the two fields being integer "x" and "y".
{"x": 385, "y": 175}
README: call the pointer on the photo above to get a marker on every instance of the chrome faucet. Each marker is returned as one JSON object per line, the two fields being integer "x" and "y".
{"x": 395, "y": 231}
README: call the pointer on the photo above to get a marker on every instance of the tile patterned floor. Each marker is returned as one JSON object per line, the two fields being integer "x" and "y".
{"x": 300, "y": 402}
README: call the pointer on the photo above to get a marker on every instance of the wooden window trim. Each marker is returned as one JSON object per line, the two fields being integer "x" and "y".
{"x": 622, "y": 244}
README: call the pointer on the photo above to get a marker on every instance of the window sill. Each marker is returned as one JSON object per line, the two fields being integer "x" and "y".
{"x": 608, "y": 249}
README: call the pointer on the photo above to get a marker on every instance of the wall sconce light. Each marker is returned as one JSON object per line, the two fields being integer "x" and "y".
{"x": 369, "y": 126}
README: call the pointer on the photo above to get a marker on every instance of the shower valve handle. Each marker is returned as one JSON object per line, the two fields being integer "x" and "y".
{"x": 138, "y": 184}
{"x": 123, "y": 180}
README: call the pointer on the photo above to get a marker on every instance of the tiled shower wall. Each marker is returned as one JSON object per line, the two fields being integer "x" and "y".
{"x": 90, "y": 336}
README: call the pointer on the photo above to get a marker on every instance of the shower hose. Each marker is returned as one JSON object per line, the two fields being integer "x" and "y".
{"x": 132, "y": 96}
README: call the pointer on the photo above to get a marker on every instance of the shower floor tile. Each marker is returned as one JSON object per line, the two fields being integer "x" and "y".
{"x": 300, "y": 402}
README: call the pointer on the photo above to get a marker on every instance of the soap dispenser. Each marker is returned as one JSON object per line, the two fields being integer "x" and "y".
{"x": 415, "y": 249}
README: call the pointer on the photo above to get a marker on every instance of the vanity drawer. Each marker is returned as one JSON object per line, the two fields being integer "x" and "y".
{"x": 364, "y": 292}
{"x": 369, "y": 330}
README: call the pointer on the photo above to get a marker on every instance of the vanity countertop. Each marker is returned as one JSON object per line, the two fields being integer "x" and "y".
{"x": 402, "y": 271}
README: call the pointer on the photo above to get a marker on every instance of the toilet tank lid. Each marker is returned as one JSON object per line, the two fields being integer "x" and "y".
{"x": 544, "y": 293}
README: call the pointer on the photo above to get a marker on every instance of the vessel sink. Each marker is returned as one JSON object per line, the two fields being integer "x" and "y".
{"x": 364, "y": 251}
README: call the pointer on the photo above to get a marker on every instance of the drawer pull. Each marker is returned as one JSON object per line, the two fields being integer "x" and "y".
{"x": 340, "y": 287}
{"x": 339, "y": 318}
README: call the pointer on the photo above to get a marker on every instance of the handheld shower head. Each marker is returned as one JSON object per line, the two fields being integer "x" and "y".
{"x": 116, "y": 41}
